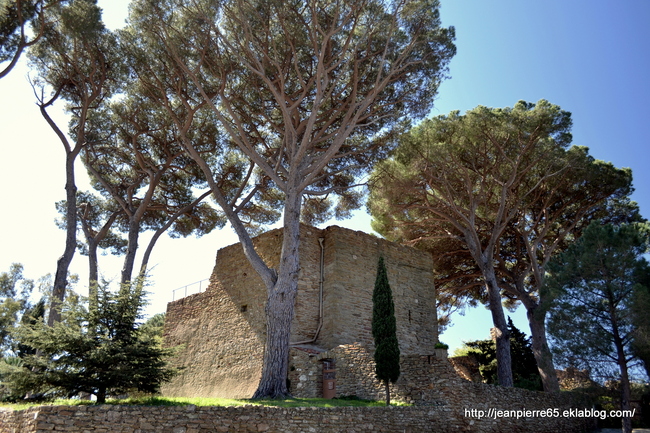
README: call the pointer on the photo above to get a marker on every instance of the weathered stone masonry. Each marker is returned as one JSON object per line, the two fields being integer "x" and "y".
{"x": 223, "y": 329}
{"x": 250, "y": 419}
{"x": 220, "y": 334}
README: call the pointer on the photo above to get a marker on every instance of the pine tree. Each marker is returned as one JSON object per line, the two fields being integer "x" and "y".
{"x": 384, "y": 331}
{"x": 293, "y": 90}
{"x": 101, "y": 352}
{"x": 599, "y": 296}
{"x": 524, "y": 368}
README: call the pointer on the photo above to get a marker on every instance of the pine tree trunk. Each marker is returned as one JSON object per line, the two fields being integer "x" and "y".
{"x": 541, "y": 351}
{"x": 279, "y": 309}
{"x": 101, "y": 395}
{"x": 621, "y": 358}
{"x": 93, "y": 281}
{"x": 502, "y": 335}
{"x": 279, "y": 314}
{"x": 387, "y": 384}
{"x": 131, "y": 251}
{"x": 63, "y": 263}
{"x": 93, "y": 269}
{"x": 625, "y": 392}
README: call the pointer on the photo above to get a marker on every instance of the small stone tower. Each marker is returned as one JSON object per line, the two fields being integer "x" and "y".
{"x": 222, "y": 330}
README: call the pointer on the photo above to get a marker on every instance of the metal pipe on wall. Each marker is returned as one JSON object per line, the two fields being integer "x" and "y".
{"x": 320, "y": 296}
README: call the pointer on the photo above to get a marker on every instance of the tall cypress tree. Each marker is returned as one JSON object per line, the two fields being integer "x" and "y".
{"x": 384, "y": 331}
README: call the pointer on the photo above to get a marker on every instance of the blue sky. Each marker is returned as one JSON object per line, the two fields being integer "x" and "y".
{"x": 590, "y": 57}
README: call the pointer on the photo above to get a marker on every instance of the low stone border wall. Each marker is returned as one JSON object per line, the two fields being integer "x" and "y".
{"x": 249, "y": 419}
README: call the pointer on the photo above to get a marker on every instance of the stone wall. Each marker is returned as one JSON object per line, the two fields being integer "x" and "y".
{"x": 220, "y": 333}
{"x": 572, "y": 378}
{"x": 239, "y": 281}
{"x": 306, "y": 372}
{"x": 217, "y": 348}
{"x": 249, "y": 419}
{"x": 467, "y": 367}
{"x": 425, "y": 380}
{"x": 350, "y": 272}
{"x": 421, "y": 379}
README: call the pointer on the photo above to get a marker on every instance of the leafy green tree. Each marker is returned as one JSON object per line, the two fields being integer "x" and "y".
{"x": 76, "y": 60}
{"x": 15, "y": 291}
{"x": 493, "y": 194}
{"x": 384, "y": 331}
{"x": 484, "y": 351}
{"x": 31, "y": 316}
{"x": 12, "y": 391}
{"x": 524, "y": 367}
{"x": 596, "y": 286}
{"x": 307, "y": 93}
{"x": 154, "y": 327}
{"x": 9, "y": 391}
{"x": 112, "y": 357}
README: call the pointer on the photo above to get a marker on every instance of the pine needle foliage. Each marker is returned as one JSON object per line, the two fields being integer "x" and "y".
{"x": 101, "y": 352}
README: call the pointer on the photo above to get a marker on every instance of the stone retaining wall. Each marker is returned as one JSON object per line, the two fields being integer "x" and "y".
{"x": 249, "y": 419}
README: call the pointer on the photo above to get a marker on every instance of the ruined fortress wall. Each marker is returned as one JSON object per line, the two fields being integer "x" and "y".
{"x": 222, "y": 331}
{"x": 218, "y": 349}
{"x": 245, "y": 288}
{"x": 351, "y": 259}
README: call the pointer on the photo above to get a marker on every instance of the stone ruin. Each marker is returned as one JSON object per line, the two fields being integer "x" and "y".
{"x": 220, "y": 335}
{"x": 222, "y": 330}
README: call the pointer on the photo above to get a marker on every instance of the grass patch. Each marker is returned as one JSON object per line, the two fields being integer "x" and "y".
{"x": 16, "y": 406}
{"x": 184, "y": 401}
